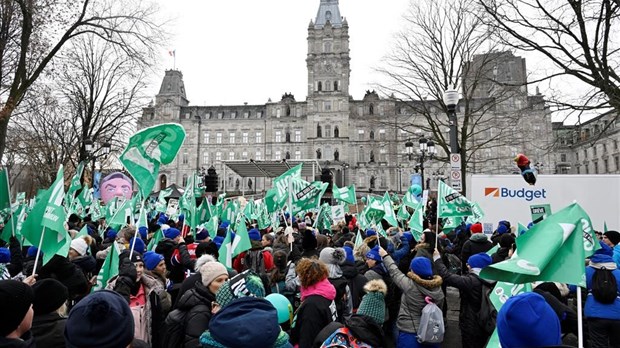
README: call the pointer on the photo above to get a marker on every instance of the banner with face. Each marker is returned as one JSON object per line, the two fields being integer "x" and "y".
{"x": 115, "y": 185}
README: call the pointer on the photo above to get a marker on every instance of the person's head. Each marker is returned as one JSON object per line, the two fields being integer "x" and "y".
{"x": 611, "y": 238}
{"x": 213, "y": 275}
{"x": 267, "y": 240}
{"x": 115, "y": 185}
{"x": 311, "y": 271}
{"x": 100, "y": 320}
{"x": 479, "y": 261}
{"x": 50, "y": 295}
{"x": 138, "y": 260}
{"x": 506, "y": 240}
{"x": 476, "y": 228}
{"x": 373, "y": 258}
{"x": 79, "y": 246}
{"x": 155, "y": 263}
{"x": 527, "y": 320}
{"x": 244, "y": 284}
{"x": 137, "y": 244}
{"x": 172, "y": 233}
{"x": 373, "y": 303}
{"x": 429, "y": 238}
{"x": 422, "y": 267}
{"x": 17, "y": 313}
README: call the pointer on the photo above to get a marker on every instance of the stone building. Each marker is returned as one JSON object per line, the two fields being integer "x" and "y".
{"x": 329, "y": 125}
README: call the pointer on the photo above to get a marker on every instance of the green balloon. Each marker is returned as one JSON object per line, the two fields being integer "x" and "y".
{"x": 364, "y": 200}
{"x": 415, "y": 189}
{"x": 283, "y": 307}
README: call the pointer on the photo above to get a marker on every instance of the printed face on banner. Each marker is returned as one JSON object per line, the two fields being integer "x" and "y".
{"x": 115, "y": 185}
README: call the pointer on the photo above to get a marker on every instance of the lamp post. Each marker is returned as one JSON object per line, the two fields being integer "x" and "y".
{"x": 451, "y": 98}
{"x": 427, "y": 151}
{"x": 91, "y": 153}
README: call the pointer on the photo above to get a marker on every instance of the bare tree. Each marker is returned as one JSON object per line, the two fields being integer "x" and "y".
{"x": 33, "y": 32}
{"x": 576, "y": 36}
{"x": 445, "y": 45}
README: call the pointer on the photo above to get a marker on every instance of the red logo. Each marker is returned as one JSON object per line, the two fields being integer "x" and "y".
{"x": 491, "y": 191}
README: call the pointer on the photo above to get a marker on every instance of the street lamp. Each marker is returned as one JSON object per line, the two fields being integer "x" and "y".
{"x": 409, "y": 148}
{"x": 427, "y": 151}
{"x": 451, "y": 98}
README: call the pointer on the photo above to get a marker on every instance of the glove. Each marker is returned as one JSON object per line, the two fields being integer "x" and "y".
{"x": 127, "y": 269}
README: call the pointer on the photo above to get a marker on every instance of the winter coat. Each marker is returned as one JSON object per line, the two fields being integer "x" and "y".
{"x": 166, "y": 299}
{"x": 361, "y": 327}
{"x": 26, "y": 341}
{"x": 477, "y": 243}
{"x": 66, "y": 272}
{"x": 470, "y": 289}
{"x": 153, "y": 307}
{"x": 87, "y": 264}
{"x": 48, "y": 330}
{"x": 356, "y": 283}
{"x": 593, "y": 308}
{"x": 316, "y": 311}
{"x": 414, "y": 290}
{"x": 177, "y": 259}
{"x": 500, "y": 255}
{"x": 16, "y": 265}
{"x": 197, "y": 303}
{"x": 240, "y": 266}
{"x": 616, "y": 256}
{"x": 392, "y": 298}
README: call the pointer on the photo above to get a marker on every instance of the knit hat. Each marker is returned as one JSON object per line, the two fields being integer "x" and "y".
{"x": 501, "y": 229}
{"x": 202, "y": 234}
{"x": 422, "y": 267}
{"x": 135, "y": 257}
{"x": 506, "y": 240}
{"x": 254, "y": 234}
{"x": 163, "y": 219}
{"x": 331, "y": 256}
{"x": 373, "y": 254}
{"x": 211, "y": 270}
{"x": 139, "y": 245}
{"x": 80, "y": 246}
{"x": 49, "y": 295}
{"x": 224, "y": 224}
{"x": 370, "y": 233}
{"x": 218, "y": 241}
{"x": 476, "y": 228}
{"x": 480, "y": 260}
{"x": 5, "y": 255}
{"x": 349, "y": 251}
{"x": 527, "y": 320}
{"x": 373, "y": 303}
{"x": 111, "y": 234}
{"x": 172, "y": 233}
{"x": 613, "y": 236}
{"x": 16, "y": 298}
{"x": 100, "y": 320}
{"x": 152, "y": 259}
{"x": 143, "y": 231}
{"x": 32, "y": 251}
{"x": 604, "y": 250}
{"x": 245, "y": 284}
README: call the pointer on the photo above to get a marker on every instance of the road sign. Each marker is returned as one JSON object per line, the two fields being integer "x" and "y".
{"x": 455, "y": 179}
{"x": 455, "y": 161}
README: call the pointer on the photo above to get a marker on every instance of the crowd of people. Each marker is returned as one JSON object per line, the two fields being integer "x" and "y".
{"x": 295, "y": 287}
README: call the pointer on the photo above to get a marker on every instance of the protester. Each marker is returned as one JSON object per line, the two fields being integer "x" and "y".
{"x": 354, "y": 278}
{"x": 333, "y": 258}
{"x": 17, "y": 313}
{"x": 155, "y": 267}
{"x": 505, "y": 242}
{"x": 612, "y": 239}
{"x": 11, "y": 259}
{"x": 176, "y": 256}
{"x": 477, "y": 243}
{"x": 50, "y": 311}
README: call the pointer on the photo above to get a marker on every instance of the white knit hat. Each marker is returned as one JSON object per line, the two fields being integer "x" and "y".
{"x": 80, "y": 246}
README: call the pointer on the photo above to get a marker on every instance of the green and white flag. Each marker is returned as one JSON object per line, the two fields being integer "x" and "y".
{"x": 344, "y": 194}
{"x": 187, "y": 203}
{"x": 45, "y": 225}
{"x": 416, "y": 222}
{"x": 20, "y": 198}
{"x": 520, "y": 230}
{"x": 5, "y": 193}
{"x": 403, "y": 214}
{"x": 120, "y": 217}
{"x": 109, "y": 269}
{"x": 409, "y": 200}
{"x": 306, "y": 196}
{"x": 241, "y": 242}
{"x": 337, "y": 212}
{"x": 553, "y": 250}
{"x": 83, "y": 232}
{"x": 75, "y": 180}
{"x": 148, "y": 149}
{"x": 499, "y": 296}
{"x": 540, "y": 212}
{"x": 358, "y": 240}
{"x": 388, "y": 210}
{"x": 157, "y": 237}
{"x": 452, "y": 203}
{"x": 212, "y": 226}
{"x": 226, "y": 250}
{"x": 14, "y": 225}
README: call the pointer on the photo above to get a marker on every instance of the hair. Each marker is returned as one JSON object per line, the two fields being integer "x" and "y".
{"x": 116, "y": 175}
{"x": 311, "y": 271}
{"x": 280, "y": 259}
{"x": 127, "y": 233}
{"x": 269, "y": 237}
{"x": 360, "y": 251}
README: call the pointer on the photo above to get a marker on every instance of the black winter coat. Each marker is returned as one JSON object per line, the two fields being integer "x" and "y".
{"x": 63, "y": 270}
{"x": 470, "y": 289}
{"x": 477, "y": 243}
{"x": 16, "y": 265}
{"x": 48, "y": 330}
{"x": 26, "y": 341}
{"x": 167, "y": 248}
{"x": 356, "y": 282}
{"x": 197, "y": 302}
{"x": 312, "y": 316}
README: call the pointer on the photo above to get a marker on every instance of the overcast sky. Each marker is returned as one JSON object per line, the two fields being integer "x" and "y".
{"x": 236, "y": 51}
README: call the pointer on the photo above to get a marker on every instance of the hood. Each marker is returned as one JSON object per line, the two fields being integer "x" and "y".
{"x": 365, "y": 329}
{"x": 198, "y": 295}
{"x": 323, "y": 288}
{"x": 349, "y": 270}
{"x": 479, "y": 238}
{"x": 430, "y": 284}
{"x": 86, "y": 262}
{"x": 234, "y": 325}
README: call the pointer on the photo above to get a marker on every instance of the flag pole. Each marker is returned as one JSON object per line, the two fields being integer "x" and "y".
{"x": 36, "y": 259}
{"x": 579, "y": 319}
{"x": 8, "y": 184}
{"x": 135, "y": 235}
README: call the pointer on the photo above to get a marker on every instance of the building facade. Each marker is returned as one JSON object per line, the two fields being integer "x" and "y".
{"x": 361, "y": 141}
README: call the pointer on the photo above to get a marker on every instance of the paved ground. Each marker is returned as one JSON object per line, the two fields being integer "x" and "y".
{"x": 452, "y": 337}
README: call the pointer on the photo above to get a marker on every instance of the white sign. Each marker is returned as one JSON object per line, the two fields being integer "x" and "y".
{"x": 455, "y": 161}
{"x": 455, "y": 179}
{"x": 337, "y": 213}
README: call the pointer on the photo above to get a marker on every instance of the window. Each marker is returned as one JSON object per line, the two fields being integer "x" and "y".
{"x": 318, "y": 131}
{"x": 606, "y": 166}
{"x": 360, "y": 134}
{"x": 207, "y": 115}
{"x": 259, "y": 114}
{"x": 585, "y": 154}
{"x": 259, "y": 137}
{"x": 259, "y": 156}
{"x": 185, "y": 158}
{"x": 336, "y": 132}
{"x": 327, "y": 47}
{"x": 277, "y": 155}
{"x": 244, "y": 155}
{"x": 604, "y": 148}
{"x": 371, "y": 109}
{"x": 328, "y": 131}
{"x": 218, "y": 156}
{"x": 218, "y": 138}
{"x": 205, "y": 158}
{"x": 615, "y": 144}
{"x": 244, "y": 138}
{"x": 372, "y": 135}
{"x": 287, "y": 155}
{"x": 595, "y": 164}
{"x": 327, "y": 106}
{"x": 577, "y": 156}
{"x": 594, "y": 150}
{"x": 220, "y": 115}
{"x": 587, "y": 168}
{"x": 617, "y": 162}
{"x": 184, "y": 179}
{"x": 233, "y": 114}
{"x": 278, "y": 111}
{"x": 361, "y": 156}
{"x": 563, "y": 157}
{"x": 335, "y": 85}
{"x": 382, "y": 135}
{"x": 231, "y": 156}
{"x": 246, "y": 114}
{"x": 278, "y": 138}
{"x": 383, "y": 155}
{"x": 297, "y": 155}
{"x": 287, "y": 137}
{"x": 206, "y": 138}
{"x": 232, "y": 138}
{"x": 297, "y": 136}
{"x": 320, "y": 86}
{"x": 288, "y": 110}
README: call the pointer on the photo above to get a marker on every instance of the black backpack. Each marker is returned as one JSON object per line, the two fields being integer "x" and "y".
{"x": 487, "y": 314}
{"x": 604, "y": 286}
{"x": 340, "y": 284}
{"x": 255, "y": 261}
{"x": 173, "y": 332}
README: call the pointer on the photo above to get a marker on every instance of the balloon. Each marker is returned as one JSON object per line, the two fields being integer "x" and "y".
{"x": 364, "y": 200}
{"x": 283, "y": 307}
{"x": 415, "y": 190}
{"x": 115, "y": 185}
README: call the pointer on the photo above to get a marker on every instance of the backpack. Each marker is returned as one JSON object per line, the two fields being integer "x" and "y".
{"x": 604, "y": 286}
{"x": 432, "y": 329}
{"x": 487, "y": 314}
{"x": 455, "y": 264}
{"x": 173, "y": 331}
{"x": 253, "y": 260}
{"x": 342, "y": 338}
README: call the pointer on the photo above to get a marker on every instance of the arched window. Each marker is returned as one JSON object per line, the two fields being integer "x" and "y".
{"x": 318, "y": 154}
{"x": 288, "y": 155}
{"x": 318, "y": 131}
{"x": 163, "y": 182}
{"x": 335, "y": 85}
{"x": 288, "y": 110}
{"x": 237, "y": 184}
{"x": 336, "y": 132}
{"x": 372, "y": 182}
{"x": 184, "y": 180}
{"x": 250, "y": 184}
{"x": 372, "y": 156}
{"x": 288, "y": 137}
{"x": 336, "y": 155}
{"x": 371, "y": 109}
{"x": 320, "y": 86}
{"x": 372, "y": 135}
{"x": 362, "y": 155}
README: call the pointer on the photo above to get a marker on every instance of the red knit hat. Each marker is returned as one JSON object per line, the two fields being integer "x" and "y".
{"x": 476, "y": 228}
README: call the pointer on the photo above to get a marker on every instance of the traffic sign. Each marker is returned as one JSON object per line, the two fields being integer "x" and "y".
{"x": 455, "y": 161}
{"x": 455, "y": 179}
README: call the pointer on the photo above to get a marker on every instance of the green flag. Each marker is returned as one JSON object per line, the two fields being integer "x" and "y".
{"x": 520, "y": 230}
{"x": 45, "y": 225}
{"x": 120, "y": 217}
{"x": 148, "y": 149}
{"x": 553, "y": 250}
{"x": 416, "y": 222}
{"x": 358, "y": 240}
{"x": 212, "y": 226}
{"x": 388, "y": 210}
{"x": 109, "y": 269}
{"x": 605, "y": 227}
{"x": 204, "y": 211}
{"x": 225, "y": 252}
{"x": 241, "y": 242}
{"x": 83, "y": 232}
{"x": 20, "y": 198}
{"x": 75, "y": 180}
{"x": 305, "y": 195}
{"x": 493, "y": 250}
{"x": 409, "y": 200}
{"x": 250, "y": 210}
{"x": 5, "y": 193}
{"x": 157, "y": 236}
{"x": 451, "y": 202}
{"x": 344, "y": 194}
{"x": 187, "y": 203}
{"x": 14, "y": 224}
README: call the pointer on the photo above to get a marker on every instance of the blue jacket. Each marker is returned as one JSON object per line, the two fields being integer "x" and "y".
{"x": 593, "y": 308}
{"x": 617, "y": 255}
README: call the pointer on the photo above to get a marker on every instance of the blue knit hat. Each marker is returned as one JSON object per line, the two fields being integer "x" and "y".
{"x": 139, "y": 245}
{"x": 480, "y": 260}
{"x": 218, "y": 241}
{"x": 371, "y": 233}
{"x": 172, "y": 233}
{"x": 349, "y": 251}
{"x": 32, "y": 251}
{"x": 143, "y": 231}
{"x": 224, "y": 224}
{"x": 111, "y": 234}
{"x": 5, "y": 255}
{"x": 422, "y": 267}
{"x": 163, "y": 219}
{"x": 152, "y": 259}
{"x": 527, "y": 320}
{"x": 373, "y": 254}
{"x": 202, "y": 234}
{"x": 501, "y": 229}
{"x": 254, "y": 234}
